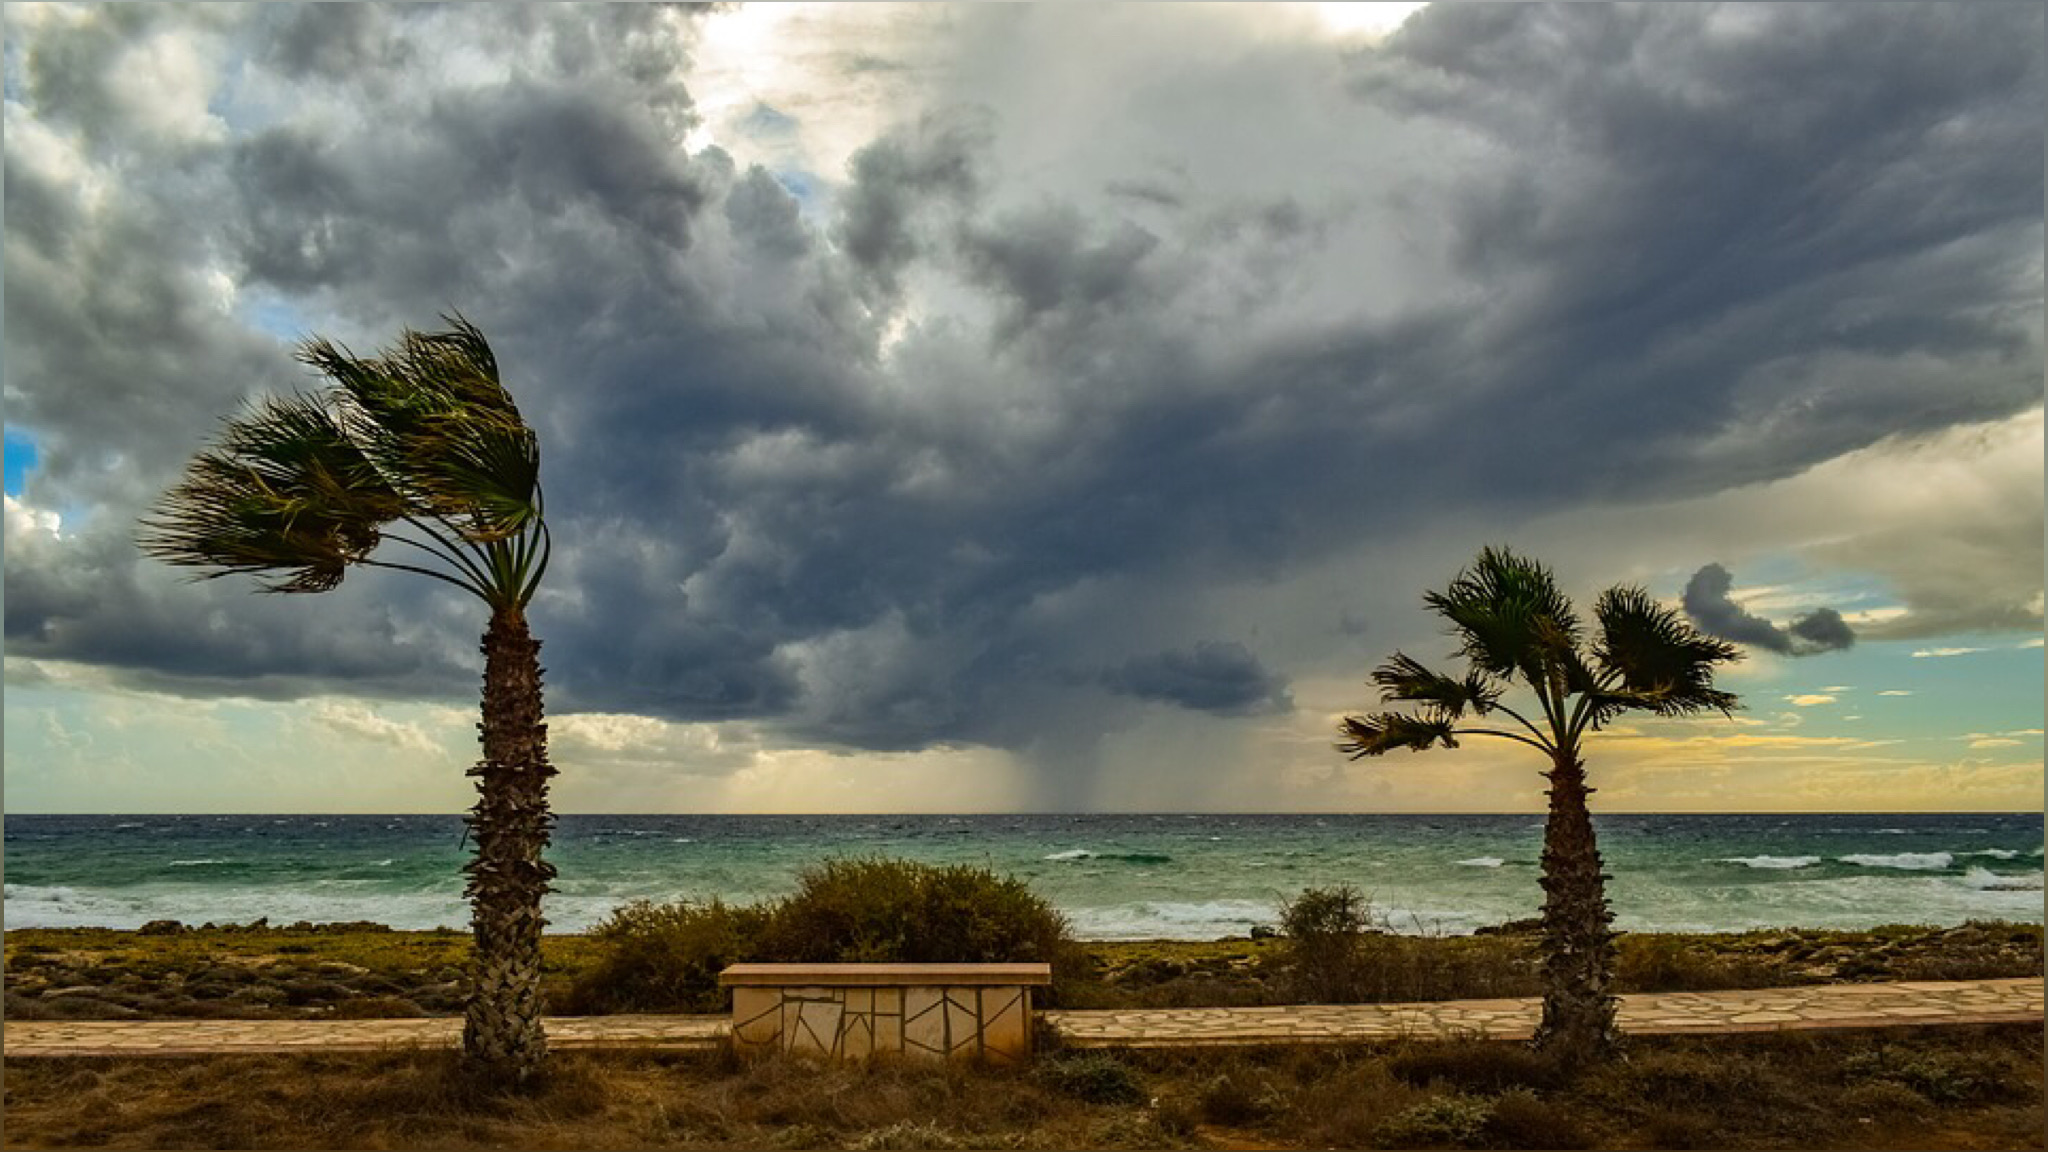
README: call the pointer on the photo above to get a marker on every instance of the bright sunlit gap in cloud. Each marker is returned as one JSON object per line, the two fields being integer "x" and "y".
{"x": 1372, "y": 20}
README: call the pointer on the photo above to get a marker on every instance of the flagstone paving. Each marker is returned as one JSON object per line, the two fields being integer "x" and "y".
{"x": 1909, "y": 1004}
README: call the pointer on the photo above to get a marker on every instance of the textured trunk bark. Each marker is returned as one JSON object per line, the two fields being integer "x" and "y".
{"x": 1578, "y": 965}
{"x": 501, "y": 1035}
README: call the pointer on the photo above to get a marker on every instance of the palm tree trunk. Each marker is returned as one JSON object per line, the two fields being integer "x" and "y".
{"x": 501, "y": 1036}
{"x": 1578, "y": 964}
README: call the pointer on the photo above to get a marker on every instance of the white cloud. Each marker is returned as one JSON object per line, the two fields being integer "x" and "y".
{"x": 1938, "y": 653}
{"x": 1810, "y": 699}
{"x": 1896, "y": 692}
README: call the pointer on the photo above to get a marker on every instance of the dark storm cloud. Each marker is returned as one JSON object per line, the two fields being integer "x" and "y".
{"x": 1727, "y": 262}
{"x": 1736, "y": 209}
{"x": 1223, "y": 679}
{"x": 894, "y": 180}
{"x": 1710, "y": 607}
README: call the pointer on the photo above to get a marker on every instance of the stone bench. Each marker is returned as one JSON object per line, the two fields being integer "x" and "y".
{"x": 935, "y": 1011}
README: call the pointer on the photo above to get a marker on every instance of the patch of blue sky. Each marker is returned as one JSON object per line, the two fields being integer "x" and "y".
{"x": 21, "y": 458}
{"x": 10, "y": 73}
{"x": 273, "y": 315}
{"x": 1995, "y": 689}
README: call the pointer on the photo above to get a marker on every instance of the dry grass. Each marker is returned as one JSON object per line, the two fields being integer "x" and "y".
{"x": 1975, "y": 1088}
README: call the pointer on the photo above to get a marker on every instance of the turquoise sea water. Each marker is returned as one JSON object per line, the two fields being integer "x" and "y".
{"x": 1116, "y": 877}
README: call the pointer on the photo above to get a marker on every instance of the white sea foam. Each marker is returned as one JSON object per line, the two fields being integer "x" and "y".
{"x": 1908, "y": 861}
{"x": 1172, "y": 920}
{"x": 1776, "y": 863}
{"x": 1482, "y": 862}
{"x": 1070, "y": 854}
{"x": 197, "y": 863}
{"x": 1994, "y": 853}
{"x": 1985, "y": 880}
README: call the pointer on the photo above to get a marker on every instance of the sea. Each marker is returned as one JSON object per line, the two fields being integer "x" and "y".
{"x": 1116, "y": 877}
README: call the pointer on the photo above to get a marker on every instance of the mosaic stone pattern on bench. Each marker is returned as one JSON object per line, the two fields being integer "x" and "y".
{"x": 990, "y": 1022}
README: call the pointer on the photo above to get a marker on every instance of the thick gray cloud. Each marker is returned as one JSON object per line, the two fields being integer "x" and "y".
{"x": 1711, "y": 608}
{"x": 882, "y": 457}
{"x": 1223, "y": 679}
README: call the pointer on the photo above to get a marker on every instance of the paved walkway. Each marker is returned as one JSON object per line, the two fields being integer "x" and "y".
{"x": 1664, "y": 1013}
{"x": 1657, "y": 1013}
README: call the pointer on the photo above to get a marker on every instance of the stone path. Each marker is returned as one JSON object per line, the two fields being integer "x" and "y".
{"x": 1659, "y": 1013}
{"x": 1758, "y": 1010}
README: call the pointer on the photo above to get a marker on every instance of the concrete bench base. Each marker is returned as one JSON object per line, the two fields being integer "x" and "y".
{"x": 854, "y": 1011}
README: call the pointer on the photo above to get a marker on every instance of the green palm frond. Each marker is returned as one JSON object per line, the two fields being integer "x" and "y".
{"x": 433, "y": 415}
{"x": 1653, "y": 659}
{"x": 1383, "y": 732}
{"x": 1402, "y": 678}
{"x": 1509, "y": 614}
{"x": 284, "y": 494}
{"x": 422, "y": 434}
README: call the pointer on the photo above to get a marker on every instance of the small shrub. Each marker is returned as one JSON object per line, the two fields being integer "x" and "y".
{"x": 1520, "y": 1119}
{"x": 1233, "y": 1100}
{"x": 1940, "y": 1076}
{"x": 1474, "y": 1066}
{"x": 1452, "y": 1120}
{"x": 1326, "y": 930}
{"x": 1094, "y": 1077}
{"x": 1881, "y": 1100}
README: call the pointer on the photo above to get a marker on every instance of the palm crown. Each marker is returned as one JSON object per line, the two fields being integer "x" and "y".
{"x": 1513, "y": 621}
{"x": 422, "y": 435}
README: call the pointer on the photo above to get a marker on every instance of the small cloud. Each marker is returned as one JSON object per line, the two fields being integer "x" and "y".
{"x": 1809, "y": 700}
{"x": 1839, "y": 688}
{"x": 1925, "y": 653}
{"x": 1993, "y": 742}
{"x": 2033, "y": 643}
{"x": 1852, "y": 717}
{"x": 1895, "y": 692}
{"x": 1713, "y": 611}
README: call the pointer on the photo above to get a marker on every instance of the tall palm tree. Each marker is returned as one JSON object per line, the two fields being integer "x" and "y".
{"x": 420, "y": 446}
{"x": 1513, "y": 622}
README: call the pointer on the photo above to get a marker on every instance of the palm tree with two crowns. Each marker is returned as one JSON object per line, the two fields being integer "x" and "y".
{"x": 1513, "y": 622}
{"x": 419, "y": 446}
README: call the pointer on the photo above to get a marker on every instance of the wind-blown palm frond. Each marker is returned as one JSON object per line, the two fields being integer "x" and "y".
{"x": 284, "y": 495}
{"x": 1383, "y": 732}
{"x": 300, "y": 489}
{"x": 433, "y": 415}
{"x": 1508, "y": 613}
{"x": 1652, "y": 659}
{"x": 1402, "y": 678}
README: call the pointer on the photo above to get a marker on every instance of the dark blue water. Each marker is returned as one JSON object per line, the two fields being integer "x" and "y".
{"x": 1117, "y": 877}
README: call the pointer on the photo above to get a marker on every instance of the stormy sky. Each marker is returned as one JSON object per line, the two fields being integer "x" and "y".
{"x": 1028, "y": 407}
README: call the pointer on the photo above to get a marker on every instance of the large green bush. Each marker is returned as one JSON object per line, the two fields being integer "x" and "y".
{"x": 655, "y": 957}
{"x": 666, "y": 957}
{"x": 901, "y": 911}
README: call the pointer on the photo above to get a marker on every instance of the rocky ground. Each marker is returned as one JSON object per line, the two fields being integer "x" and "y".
{"x": 361, "y": 970}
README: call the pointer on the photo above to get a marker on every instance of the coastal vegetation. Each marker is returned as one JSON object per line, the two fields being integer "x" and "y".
{"x": 1964, "y": 1087}
{"x": 666, "y": 957}
{"x": 1511, "y": 620}
{"x": 342, "y": 971}
{"x": 424, "y": 438}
